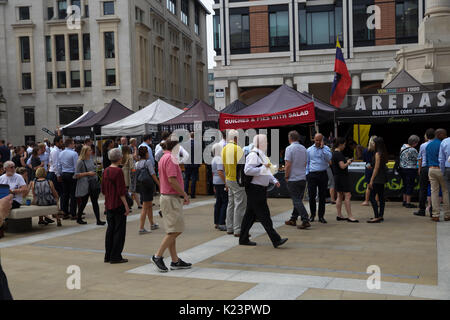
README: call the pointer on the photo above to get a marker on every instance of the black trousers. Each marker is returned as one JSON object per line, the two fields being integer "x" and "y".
{"x": 58, "y": 186}
{"x": 5, "y": 294}
{"x": 190, "y": 173}
{"x": 82, "y": 202}
{"x": 69, "y": 187}
{"x": 220, "y": 208}
{"x": 257, "y": 208}
{"x": 115, "y": 233}
{"x": 317, "y": 180}
{"x": 378, "y": 189}
{"x": 423, "y": 191}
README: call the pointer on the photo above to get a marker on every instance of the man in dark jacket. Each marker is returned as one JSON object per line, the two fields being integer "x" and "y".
{"x": 191, "y": 170}
{"x": 5, "y": 153}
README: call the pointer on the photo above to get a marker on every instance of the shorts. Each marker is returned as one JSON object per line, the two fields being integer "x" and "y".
{"x": 146, "y": 191}
{"x": 172, "y": 210}
{"x": 342, "y": 183}
{"x": 331, "y": 182}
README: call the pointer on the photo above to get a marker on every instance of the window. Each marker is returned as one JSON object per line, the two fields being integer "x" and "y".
{"x": 239, "y": 31}
{"x": 210, "y": 76}
{"x": 28, "y": 114}
{"x": 108, "y": 8}
{"x": 279, "y": 28}
{"x": 24, "y": 13}
{"x": 211, "y": 88}
{"x": 62, "y": 9}
{"x": 26, "y": 81}
{"x": 110, "y": 77}
{"x": 109, "y": 45}
{"x": 69, "y": 114}
{"x": 86, "y": 10}
{"x": 28, "y": 139}
{"x": 216, "y": 31}
{"x": 25, "y": 49}
{"x": 197, "y": 19}
{"x": 362, "y": 36}
{"x": 73, "y": 47}
{"x": 87, "y": 78}
{"x": 50, "y": 13}
{"x": 185, "y": 11}
{"x": 61, "y": 79}
{"x": 139, "y": 15}
{"x": 407, "y": 21}
{"x": 49, "y": 80}
{"x": 60, "y": 48}
{"x": 76, "y": 3}
{"x": 87, "y": 46}
{"x": 48, "y": 48}
{"x": 75, "y": 79}
{"x": 320, "y": 26}
{"x": 172, "y": 6}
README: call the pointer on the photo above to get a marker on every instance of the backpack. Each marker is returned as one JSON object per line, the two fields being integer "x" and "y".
{"x": 44, "y": 196}
{"x": 143, "y": 176}
{"x": 242, "y": 179}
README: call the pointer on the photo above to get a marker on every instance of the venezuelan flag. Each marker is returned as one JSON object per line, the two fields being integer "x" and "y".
{"x": 342, "y": 80}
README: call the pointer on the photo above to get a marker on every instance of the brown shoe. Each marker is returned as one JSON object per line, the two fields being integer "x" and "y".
{"x": 304, "y": 225}
{"x": 447, "y": 219}
{"x": 230, "y": 232}
{"x": 290, "y": 223}
{"x": 435, "y": 219}
{"x": 237, "y": 235}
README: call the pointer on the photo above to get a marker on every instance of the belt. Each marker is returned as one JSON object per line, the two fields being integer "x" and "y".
{"x": 434, "y": 167}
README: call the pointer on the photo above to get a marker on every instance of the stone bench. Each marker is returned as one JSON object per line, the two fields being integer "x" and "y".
{"x": 19, "y": 220}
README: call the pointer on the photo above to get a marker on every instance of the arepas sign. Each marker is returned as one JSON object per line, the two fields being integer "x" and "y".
{"x": 297, "y": 115}
{"x": 397, "y": 105}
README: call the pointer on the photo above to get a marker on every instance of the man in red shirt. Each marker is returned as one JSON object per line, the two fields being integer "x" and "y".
{"x": 171, "y": 202}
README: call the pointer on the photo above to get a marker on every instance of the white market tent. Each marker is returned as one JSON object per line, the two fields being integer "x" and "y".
{"x": 144, "y": 121}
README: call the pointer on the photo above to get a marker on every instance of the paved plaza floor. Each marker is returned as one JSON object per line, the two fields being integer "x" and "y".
{"x": 329, "y": 261}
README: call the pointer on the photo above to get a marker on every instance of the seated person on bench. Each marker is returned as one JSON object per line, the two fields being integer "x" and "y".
{"x": 16, "y": 183}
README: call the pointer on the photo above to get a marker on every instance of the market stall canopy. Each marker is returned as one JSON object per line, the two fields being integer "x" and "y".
{"x": 84, "y": 117}
{"x": 234, "y": 107}
{"x": 284, "y": 106}
{"x": 403, "y": 100}
{"x": 144, "y": 121}
{"x": 190, "y": 105}
{"x": 200, "y": 112}
{"x": 113, "y": 112}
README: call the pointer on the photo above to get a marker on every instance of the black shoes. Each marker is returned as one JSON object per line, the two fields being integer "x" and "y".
{"x": 322, "y": 220}
{"x": 49, "y": 220}
{"x": 312, "y": 218}
{"x": 118, "y": 261}
{"x": 80, "y": 221}
{"x": 280, "y": 243}
{"x": 159, "y": 263}
{"x": 248, "y": 243}
{"x": 180, "y": 265}
{"x": 43, "y": 222}
{"x": 101, "y": 223}
{"x": 341, "y": 219}
{"x": 419, "y": 213}
{"x": 410, "y": 206}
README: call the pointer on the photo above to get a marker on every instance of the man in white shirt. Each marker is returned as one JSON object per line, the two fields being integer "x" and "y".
{"x": 183, "y": 156}
{"x": 53, "y": 164}
{"x": 16, "y": 183}
{"x": 258, "y": 165}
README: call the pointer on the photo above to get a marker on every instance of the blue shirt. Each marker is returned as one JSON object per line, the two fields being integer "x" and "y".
{"x": 296, "y": 154}
{"x": 67, "y": 161}
{"x": 444, "y": 154}
{"x": 150, "y": 152}
{"x": 423, "y": 153}
{"x": 318, "y": 159}
{"x": 432, "y": 152}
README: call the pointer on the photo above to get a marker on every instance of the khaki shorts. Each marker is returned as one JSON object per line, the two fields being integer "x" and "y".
{"x": 172, "y": 211}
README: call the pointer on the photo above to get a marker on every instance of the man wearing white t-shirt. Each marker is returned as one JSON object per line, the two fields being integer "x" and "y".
{"x": 15, "y": 181}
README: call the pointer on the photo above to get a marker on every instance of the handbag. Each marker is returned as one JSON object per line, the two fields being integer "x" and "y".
{"x": 94, "y": 184}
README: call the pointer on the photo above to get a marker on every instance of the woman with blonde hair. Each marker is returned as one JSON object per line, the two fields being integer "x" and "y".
{"x": 44, "y": 194}
{"x": 87, "y": 185}
{"x": 368, "y": 155}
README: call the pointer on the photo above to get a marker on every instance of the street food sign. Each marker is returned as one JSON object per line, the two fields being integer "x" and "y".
{"x": 397, "y": 105}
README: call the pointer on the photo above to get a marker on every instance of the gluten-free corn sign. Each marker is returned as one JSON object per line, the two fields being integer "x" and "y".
{"x": 297, "y": 115}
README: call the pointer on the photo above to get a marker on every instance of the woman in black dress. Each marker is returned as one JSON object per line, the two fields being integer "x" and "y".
{"x": 378, "y": 180}
{"x": 342, "y": 181}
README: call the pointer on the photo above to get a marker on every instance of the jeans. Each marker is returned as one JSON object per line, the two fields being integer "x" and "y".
{"x": 83, "y": 202}
{"x": 296, "y": 191}
{"x": 115, "y": 233}
{"x": 257, "y": 208}
{"x": 409, "y": 179}
{"x": 436, "y": 181}
{"x": 317, "y": 180}
{"x": 237, "y": 203}
{"x": 190, "y": 173}
{"x": 69, "y": 187}
{"x": 424, "y": 183}
{"x": 377, "y": 189}
{"x": 220, "y": 208}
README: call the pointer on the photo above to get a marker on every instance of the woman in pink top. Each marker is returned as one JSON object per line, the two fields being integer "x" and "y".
{"x": 171, "y": 202}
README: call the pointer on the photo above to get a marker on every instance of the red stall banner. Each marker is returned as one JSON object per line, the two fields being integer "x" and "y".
{"x": 298, "y": 115}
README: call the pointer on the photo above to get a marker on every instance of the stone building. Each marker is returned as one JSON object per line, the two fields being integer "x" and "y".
{"x": 133, "y": 50}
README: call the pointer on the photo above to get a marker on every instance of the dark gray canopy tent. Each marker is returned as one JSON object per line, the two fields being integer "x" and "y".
{"x": 234, "y": 107}
{"x": 113, "y": 112}
{"x": 68, "y": 130}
